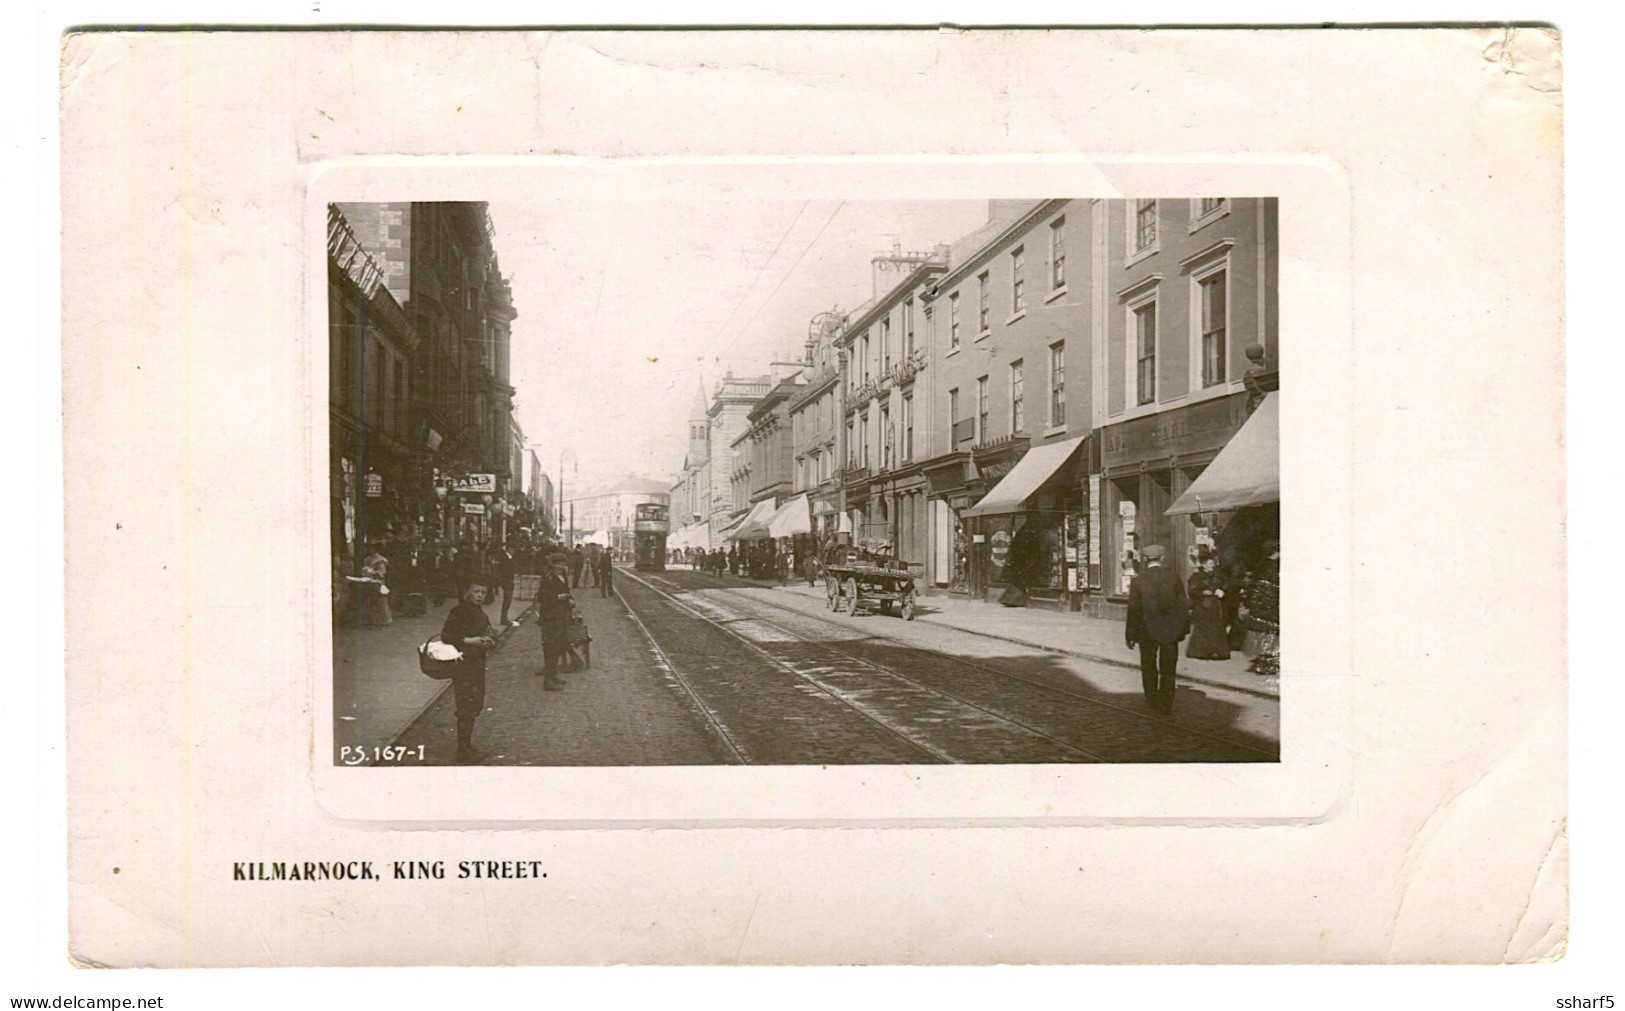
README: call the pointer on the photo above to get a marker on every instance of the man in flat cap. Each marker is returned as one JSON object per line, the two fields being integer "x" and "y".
{"x": 1158, "y": 617}
{"x": 553, "y": 603}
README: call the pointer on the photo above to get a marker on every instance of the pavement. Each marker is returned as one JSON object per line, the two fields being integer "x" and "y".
{"x": 377, "y": 687}
{"x": 1064, "y": 632}
{"x": 614, "y": 712}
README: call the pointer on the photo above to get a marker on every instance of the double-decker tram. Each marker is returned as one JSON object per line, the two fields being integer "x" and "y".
{"x": 650, "y": 525}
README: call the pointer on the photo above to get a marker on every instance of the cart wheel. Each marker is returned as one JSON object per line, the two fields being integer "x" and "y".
{"x": 851, "y": 596}
{"x": 908, "y": 606}
{"x": 833, "y": 592}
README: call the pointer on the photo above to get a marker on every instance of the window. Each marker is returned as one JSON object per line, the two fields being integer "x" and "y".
{"x": 1208, "y": 205}
{"x": 953, "y": 406}
{"x": 851, "y": 442}
{"x": 981, "y": 302}
{"x": 1057, "y": 253}
{"x": 1018, "y": 411}
{"x": 953, "y": 321}
{"x": 1145, "y": 224}
{"x": 908, "y": 326}
{"x": 981, "y": 409}
{"x": 1057, "y": 384}
{"x": 863, "y": 352}
{"x": 885, "y": 344}
{"x": 1017, "y": 260}
{"x": 885, "y": 438}
{"x": 908, "y": 429}
{"x": 1145, "y": 335}
{"x": 1212, "y": 289}
{"x": 863, "y": 439}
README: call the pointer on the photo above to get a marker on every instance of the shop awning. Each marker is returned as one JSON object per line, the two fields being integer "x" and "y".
{"x": 794, "y": 517}
{"x": 755, "y": 524}
{"x": 1247, "y": 470}
{"x": 1029, "y": 473}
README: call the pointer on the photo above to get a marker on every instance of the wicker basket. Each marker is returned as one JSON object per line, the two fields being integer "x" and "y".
{"x": 440, "y": 670}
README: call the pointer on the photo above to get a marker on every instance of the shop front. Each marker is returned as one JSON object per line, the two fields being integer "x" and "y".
{"x": 1030, "y": 531}
{"x": 1237, "y": 497}
{"x": 1146, "y": 465}
{"x": 950, "y": 492}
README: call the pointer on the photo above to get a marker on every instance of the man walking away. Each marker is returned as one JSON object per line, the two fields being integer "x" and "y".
{"x": 1158, "y": 618}
{"x": 503, "y": 567}
{"x": 606, "y": 574}
{"x": 469, "y": 630}
{"x": 553, "y": 603}
{"x": 576, "y": 563}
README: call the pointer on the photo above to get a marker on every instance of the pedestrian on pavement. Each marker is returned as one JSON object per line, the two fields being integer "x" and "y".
{"x": 1158, "y": 618}
{"x": 503, "y": 569}
{"x": 375, "y": 608}
{"x": 468, "y": 628}
{"x": 576, "y": 563}
{"x": 589, "y": 567}
{"x": 1208, "y": 640}
{"x": 606, "y": 574}
{"x": 553, "y": 605}
{"x": 1262, "y": 599}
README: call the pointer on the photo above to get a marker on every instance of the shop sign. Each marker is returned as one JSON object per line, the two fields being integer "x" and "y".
{"x": 375, "y": 485}
{"x": 1199, "y": 428}
{"x": 474, "y": 508}
{"x": 473, "y": 484}
{"x": 1001, "y": 547}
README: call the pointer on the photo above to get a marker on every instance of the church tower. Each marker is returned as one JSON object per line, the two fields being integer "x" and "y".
{"x": 699, "y": 430}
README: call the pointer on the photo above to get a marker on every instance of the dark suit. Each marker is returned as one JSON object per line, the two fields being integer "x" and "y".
{"x": 1158, "y": 617}
{"x": 553, "y": 615}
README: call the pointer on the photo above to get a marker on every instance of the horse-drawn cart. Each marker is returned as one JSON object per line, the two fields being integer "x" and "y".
{"x": 869, "y": 588}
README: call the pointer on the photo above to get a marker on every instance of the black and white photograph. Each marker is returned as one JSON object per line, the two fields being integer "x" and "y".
{"x": 816, "y": 482}
{"x": 911, "y": 496}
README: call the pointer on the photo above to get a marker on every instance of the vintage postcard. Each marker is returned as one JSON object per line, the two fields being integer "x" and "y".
{"x": 811, "y": 496}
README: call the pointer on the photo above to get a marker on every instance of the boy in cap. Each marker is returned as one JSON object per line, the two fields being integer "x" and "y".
{"x": 553, "y": 603}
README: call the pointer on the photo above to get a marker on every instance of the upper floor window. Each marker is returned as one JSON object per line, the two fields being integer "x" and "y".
{"x": 1209, "y": 205}
{"x": 1018, "y": 300}
{"x": 908, "y": 326}
{"x": 1145, "y": 337}
{"x": 1057, "y": 384}
{"x": 981, "y": 409}
{"x": 1018, "y": 410}
{"x": 981, "y": 302}
{"x": 908, "y": 429}
{"x": 953, "y": 321}
{"x": 885, "y": 343}
{"x": 1057, "y": 253}
{"x": 1145, "y": 224}
{"x": 1211, "y": 291}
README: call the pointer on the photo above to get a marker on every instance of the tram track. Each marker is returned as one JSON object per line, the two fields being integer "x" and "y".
{"x": 1100, "y": 727}
{"x": 940, "y": 726}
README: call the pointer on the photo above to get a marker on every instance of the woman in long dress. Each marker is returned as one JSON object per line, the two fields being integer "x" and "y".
{"x": 1206, "y": 589}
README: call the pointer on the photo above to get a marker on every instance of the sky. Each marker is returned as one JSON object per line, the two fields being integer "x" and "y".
{"x": 626, "y": 308}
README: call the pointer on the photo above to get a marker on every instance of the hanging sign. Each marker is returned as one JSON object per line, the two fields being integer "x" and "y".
{"x": 474, "y": 484}
{"x": 474, "y": 508}
{"x": 375, "y": 485}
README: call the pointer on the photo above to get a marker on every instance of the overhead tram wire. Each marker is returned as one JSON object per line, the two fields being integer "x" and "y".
{"x": 760, "y": 271}
{"x": 746, "y": 328}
